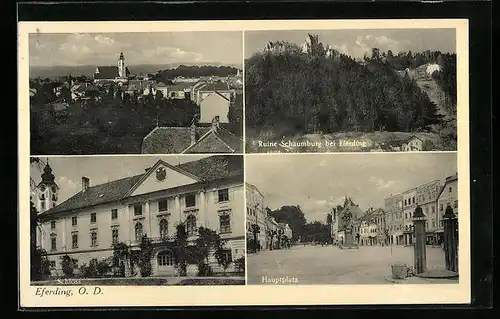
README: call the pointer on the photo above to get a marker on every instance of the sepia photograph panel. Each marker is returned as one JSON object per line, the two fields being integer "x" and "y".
{"x": 348, "y": 219}
{"x": 130, "y": 220}
{"x": 360, "y": 90}
{"x": 133, "y": 93}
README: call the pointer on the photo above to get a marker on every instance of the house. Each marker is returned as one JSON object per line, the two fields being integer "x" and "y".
{"x": 208, "y": 192}
{"x": 179, "y": 91}
{"x": 412, "y": 144}
{"x": 432, "y": 67}
{"x": 256, "y": 215}
{"x": 212, "y": 105}
{"x": 163, "y": 88}
{"x": 344, "y": 217}
{"x": 192, "y": 140}
{"x": 202, "y": 90}
{"x": 367, "y": 230}
{"x": 447, "y": 196}
{"x": 83, "y": 91}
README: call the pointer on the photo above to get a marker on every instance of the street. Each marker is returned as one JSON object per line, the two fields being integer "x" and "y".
{"x": 331, "y": 265}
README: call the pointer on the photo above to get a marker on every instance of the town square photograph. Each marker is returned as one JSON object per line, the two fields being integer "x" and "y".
{"x": 378, "y": 90}
{"x": 130, "y": 220}
{"x": 350, "y": 219}
{"x": 136, "y": 92}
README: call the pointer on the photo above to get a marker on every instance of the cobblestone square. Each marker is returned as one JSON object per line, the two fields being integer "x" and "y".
{"x": 331, "y": 265}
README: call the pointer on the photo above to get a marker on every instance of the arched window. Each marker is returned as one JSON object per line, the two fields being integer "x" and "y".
{"x": 165, "y": 258}
{"x": 163, "y": 228}
{"x": 191, "y": 225}
{"x": 138, "y": 231}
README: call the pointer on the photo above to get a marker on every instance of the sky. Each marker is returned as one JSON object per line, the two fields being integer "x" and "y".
{"x": 318, "y": 182}
{"x": 68, "y": 171}
{"x": 358, "y": 42}
{"x": 73, "y": 49}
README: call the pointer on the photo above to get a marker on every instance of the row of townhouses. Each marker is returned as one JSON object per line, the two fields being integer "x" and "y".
{"x": 206, "y": 192}
{"x": 258, "y": 220}
{"x": 393, "y": 225}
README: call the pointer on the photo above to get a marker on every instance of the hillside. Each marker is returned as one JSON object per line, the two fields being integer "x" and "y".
{"x": 293, "y": 93}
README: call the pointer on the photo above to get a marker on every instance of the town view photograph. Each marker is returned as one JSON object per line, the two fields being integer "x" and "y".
{"x": 133, "y": 93}
{"x": 137, "y": 220}
{"x": 350, "y": 90}
{"x": 351, "y": 219}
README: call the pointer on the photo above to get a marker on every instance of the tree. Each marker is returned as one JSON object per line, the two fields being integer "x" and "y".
{"x": 146, "y": 253}
{"x": 180, "y": 249}
{"x": 255, "y": 229}
{"x": 121, "y": 258}
{"x": 291, "y": 215}
{"x": 208, "y": 240}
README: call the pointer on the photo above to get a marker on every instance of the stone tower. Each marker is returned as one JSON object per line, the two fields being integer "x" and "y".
{"x": 47, "y": 190}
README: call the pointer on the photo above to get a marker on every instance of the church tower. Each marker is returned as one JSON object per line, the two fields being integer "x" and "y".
{"x": 47, "y": 190}
{"x": 121, "y": 66}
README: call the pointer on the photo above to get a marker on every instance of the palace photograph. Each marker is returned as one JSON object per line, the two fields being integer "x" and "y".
{"x": 136, "y": 93}
{"x": 351, "y": 219}
{"x": 350, "y": 90}
{"x": 130, "y": 220}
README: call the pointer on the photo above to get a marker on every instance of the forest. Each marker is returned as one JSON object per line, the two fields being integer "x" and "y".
{"x": 293, "y": 93}
{"x": 196, "y": 71}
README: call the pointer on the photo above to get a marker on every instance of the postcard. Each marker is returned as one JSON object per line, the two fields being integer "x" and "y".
{"x": 219, "y": 163}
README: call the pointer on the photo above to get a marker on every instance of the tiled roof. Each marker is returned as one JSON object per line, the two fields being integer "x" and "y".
{"x": 106, "y": 72}
{"x": 220, "y": 141}
{"x": 214, "y": 86}
{"x": 180, "y": 86}
{"x": 169, "y": 140}
{"x": 207, "y": 169}
{"x": 95, "y": 195}
{"x": 177, "y": 140}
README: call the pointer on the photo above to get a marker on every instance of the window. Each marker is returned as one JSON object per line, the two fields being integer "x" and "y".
{"x": 223, "y": 195}
{"x": 114, "y": 235}
{"x": 53, "y": 243}
{"x": 138, "y": 231}
{"x": 190, "y": 200}
{"x": 43, "y": 205}
{"x": 405, "y": 202}
{"x": 191, "y": 225}
{"x": 74, "y": 239}
{"x": 413, "y": 200}
{"x": 93, "y": 217}
{"x": 455, "y": 204}
{"x": 441, "y": 207}
{"x": 53, "y": 224}
{"x": 137, "y": 209}
{"x": 93, "y": 238}
{"x": 75, "y": 263}
{"x": 449, "y": 189}
{"x": 433, "y": 210}
{"x": 163, "y": 205}
{"x": 163, "y": 228}
{"x": 74, "y": 221}
{"x": 165, "y": 258}
{"x": 52, "y": 264}
{"x": 114, "y": 214}
{"x": 42, "y": 197}
{"x": 225, "y": 223}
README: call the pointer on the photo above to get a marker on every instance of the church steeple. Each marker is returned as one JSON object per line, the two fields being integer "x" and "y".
{"x": 47, "y": 190}
{"x": 47, "y": 176}
{"x": 121, "y": 66}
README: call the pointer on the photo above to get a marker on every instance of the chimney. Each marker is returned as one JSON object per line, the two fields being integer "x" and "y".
{"x": 193, "y": 133}
{"x": 147, "y": 169}
{"x": 85, "y": 183}
{"x": 215, "y": 124}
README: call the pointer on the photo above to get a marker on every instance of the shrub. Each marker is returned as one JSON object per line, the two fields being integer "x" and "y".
{"x": 204, "y": 270}
{"x": 239, "y": 264}
{"x": 68, "y": 265}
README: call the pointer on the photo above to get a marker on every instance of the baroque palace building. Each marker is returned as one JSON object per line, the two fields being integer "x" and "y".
{"x": 208, "y": 192}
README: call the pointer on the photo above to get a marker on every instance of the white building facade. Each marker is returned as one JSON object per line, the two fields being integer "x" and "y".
{"x": 88, "y": 224}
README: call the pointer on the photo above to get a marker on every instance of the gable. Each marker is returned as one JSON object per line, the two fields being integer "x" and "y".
{"x": 209, "y": 144}
{"x": 153, "y": 182}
